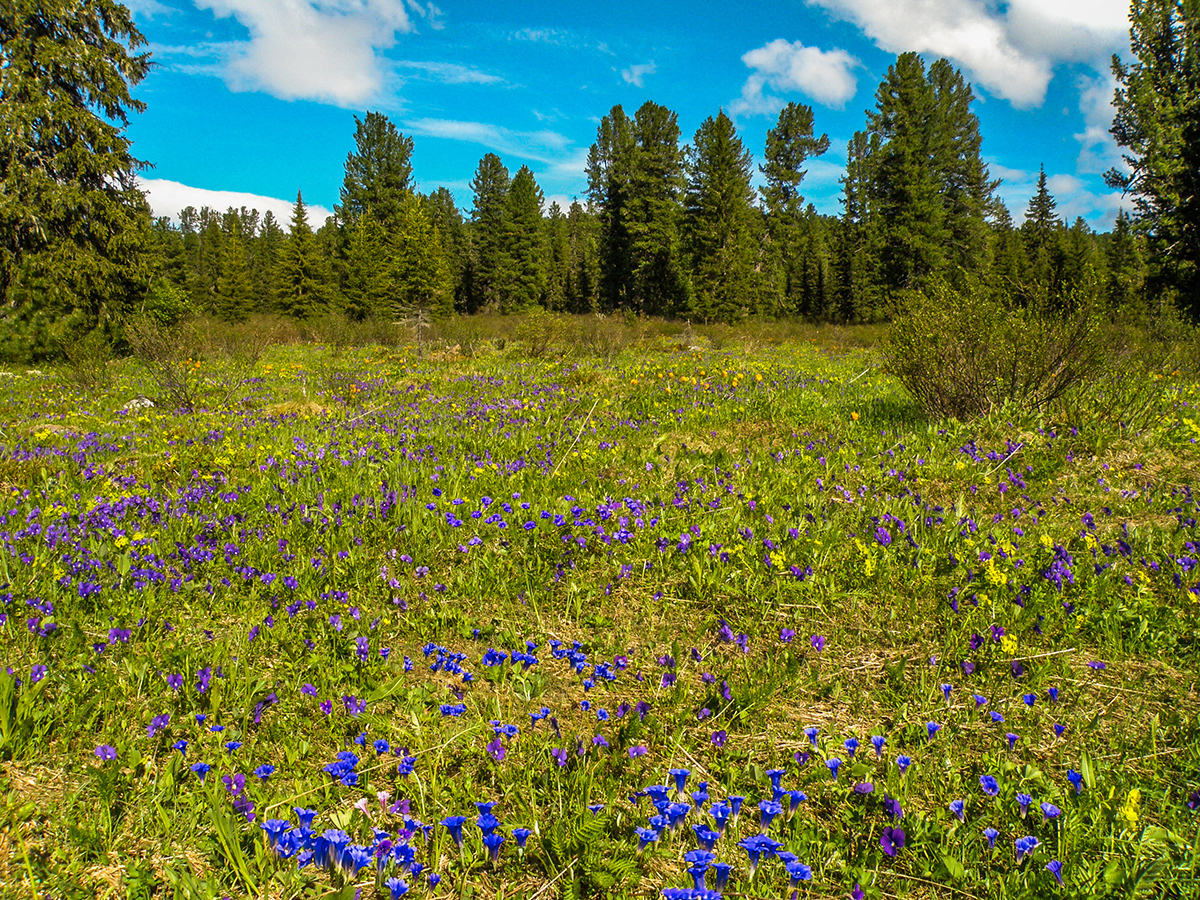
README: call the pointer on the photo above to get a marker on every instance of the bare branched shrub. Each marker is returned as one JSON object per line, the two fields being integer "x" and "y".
{"x": 538, "y": 332}
{"x": 961, "y": 353}
{"x": 172, "y": 356}
{"x": 88, "y": 359}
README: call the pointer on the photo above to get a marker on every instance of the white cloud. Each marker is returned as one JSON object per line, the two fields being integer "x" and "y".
{"x": 826, "y": 76}
{"x": 326, "y": 50}
{"x": 1009, "y": 49}
{"x": 634, "y": 74}
{"x": 148, "y": 8}
{"x": 540, "y": 146}
{"x": 167, "y": 198}
{"x": 1072, "y": 196}
{"x": 450, "y": 73}
{"x": 1098, "y": 152}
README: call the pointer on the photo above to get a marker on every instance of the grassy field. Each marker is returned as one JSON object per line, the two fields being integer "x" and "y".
{"x": 295, "y": 642}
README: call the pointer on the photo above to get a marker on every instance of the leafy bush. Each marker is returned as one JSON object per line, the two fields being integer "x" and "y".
{"x": 961, "y": 353}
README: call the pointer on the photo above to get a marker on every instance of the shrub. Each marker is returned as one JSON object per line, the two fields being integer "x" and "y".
{"x": 962, "y": 353}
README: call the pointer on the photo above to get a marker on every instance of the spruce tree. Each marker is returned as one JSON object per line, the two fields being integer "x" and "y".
{"x": 302, "y": 276}
{"x": 265, "y": 256}
{"x": 1125, "y": 265}
{"x": 908, "y": 218}
{"x": 370, "y": 286}
{"x": 233, "y": 299}
{"x": 719, "y": 222}
{"x": 789, "y": 145}
{"x": 582, "y": 294}
{"x": 488, "y": 220}
{"x": 422, "y": 277}
{"x": 378, "y": 174}
{"x": 72, "y": 220}
{"x": 609, "y": 172}
{"x": 522, "y": 273}
{"x": 652, "y": 212}
{"x": 1157, "y": 120}
{"x": 448, "y": 221}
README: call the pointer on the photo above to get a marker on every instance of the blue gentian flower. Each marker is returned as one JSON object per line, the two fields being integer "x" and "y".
{"x": 705, "y": 836}
{"x": 958, "y": 808}
{"x": 493, "y": 842}
{"x": 851, "y": 745}
{"x": 646, "y": 836}
{"x": 877, "y": 741}
{"x": 798, "y": 872}
{"x": 720, "y": 813}
{"x": 812, "y": 733}
{"x": 903, "y": 762}
{"x": 681, "y": 777}
{"x": 833, "y": 763}
{"x": 521, "y": 835}
{"x": 735, "y": 804}
{"x": 1025, "y": 845}
{"x": 1030, "y": 699}
{"x": 1012, "y": 739}
{"x": 932, "y": 728}
{"x": 454, "y": 824}
{"x": 1023, "y": 801}
{"x": 720, "y": 874}
{"x": 1076, "y": 780}
{"x": 264, "y": 771}
{"x": 201, "y": 769}
{"x": 768, "y": 810}
{"x": 1054, "y": 867}
{"x": 795, "y": 798}
{"x": 946, "y": 689}
{"x": 1050, "y": 811}
{"x": 991, "y": 834}
{"x": 989, "y": 784}
{"x": 396, "y": 888}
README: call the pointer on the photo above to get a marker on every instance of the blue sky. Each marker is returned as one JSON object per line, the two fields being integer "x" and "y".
{"x": 252, "y": 100}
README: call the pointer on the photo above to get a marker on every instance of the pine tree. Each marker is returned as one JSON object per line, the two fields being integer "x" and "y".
{"x": 522, "y": 273}
{"x": 370, "y": 286}
{"x": 909, "y": 218}
{"x": 556, "y": 241}
{"x": 1157, "y": 120}
{"x": 1009, "y": 263}
{"x": 448, "y": 221}
{"x": 265, "y": 256}
{"x": 422, "y": 276}
{"x": 1042, "y": 232}
{"x": 378, "y": 173}
{"x": 72, "y": 221}
{"x": 652, "y": 212}
{"x": 302, "y": 276}
{"x": 719, "y": 223}
{"x": 789, "y": 145}
{"x": 582, "y": 294}
{"x": 610, "y": 171}
{"x": 490, "y": 186}
{"x": 233, "y": 299}
{"x": 1126, "y": 266}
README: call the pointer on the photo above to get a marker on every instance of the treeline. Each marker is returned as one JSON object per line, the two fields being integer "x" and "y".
{"x": 665, "y": 229}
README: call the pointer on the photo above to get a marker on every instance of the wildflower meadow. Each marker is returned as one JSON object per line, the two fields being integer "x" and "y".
{"x": 687, "y": 620}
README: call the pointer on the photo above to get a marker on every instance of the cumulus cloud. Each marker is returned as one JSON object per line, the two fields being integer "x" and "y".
{"x": 1010, "y": 50}
{"x": 634, "y": 74}
{"x": 1098, "y": 152}
{"x": 167, "y": 198}
{"x": 326, "y": 50}
{"x": 826, "y": 76}
{"x": 450, "y": 73}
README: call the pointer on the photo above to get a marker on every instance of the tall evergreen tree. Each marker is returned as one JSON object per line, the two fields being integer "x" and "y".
{"x": 1125, "y": 269}
{"x": 447, "y": 219}
{"x": 233, "y": 298}
{"x": 72, "y": 220}
{"x": 652, "y": 211}
{"x": 1042, "y": 233}
{"x": 265, "y": 255}
{"x": 422, "y": 278}
{"x": 488, "y": 221}
{"x": 370, "y": 277}
{"x": 789, "y": 145}
{"x": 609, "y": 172}
{"x": 1157, "y": 120}
{"x": 720, "y": 221}
{"x": 302, "y": 277}
{"x": 378, "y": 173}
{"x": 853, "y": 264}
{"x": 909, "y": 218}
{"x": 522, "y": 273}
{"x": 582, "y": 291}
